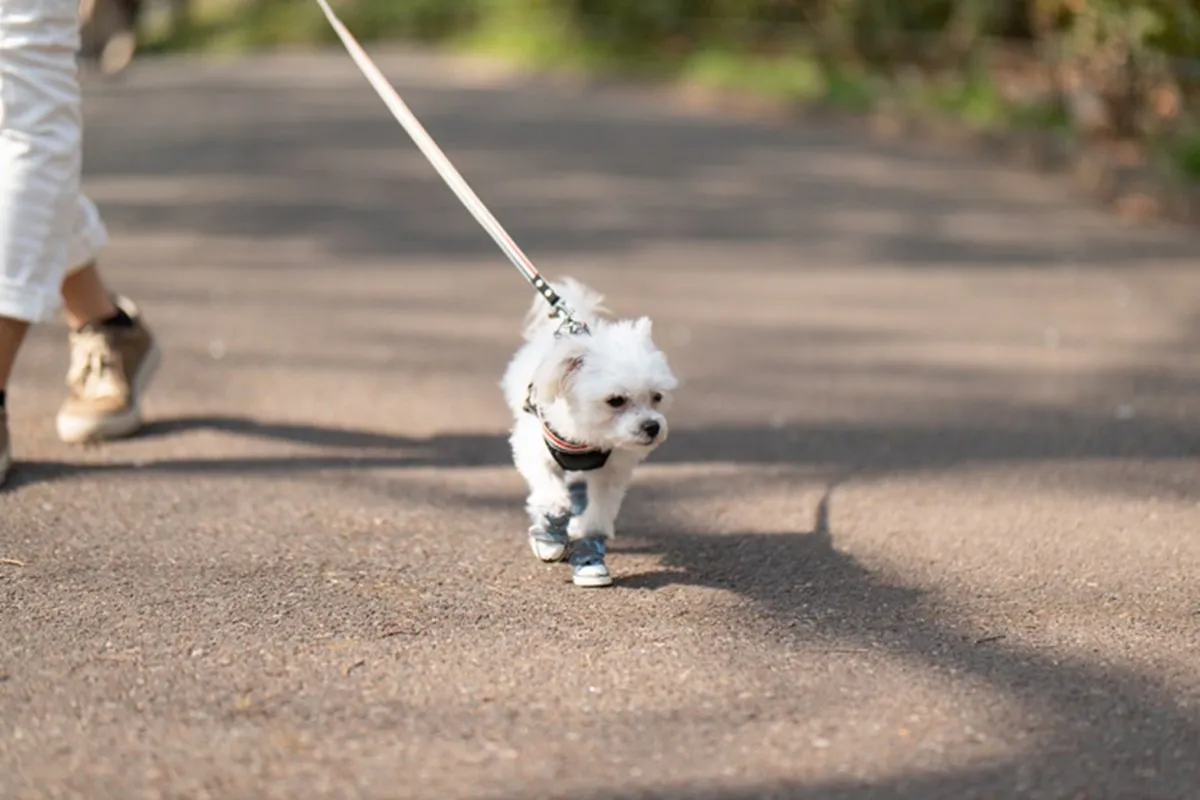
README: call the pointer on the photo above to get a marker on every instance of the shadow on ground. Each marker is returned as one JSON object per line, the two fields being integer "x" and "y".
{"x": 580, "y": 174}
{"x": 1109, "y": 732}
{"x": 1105, "y": 730}
{"x": 868, "y": 451}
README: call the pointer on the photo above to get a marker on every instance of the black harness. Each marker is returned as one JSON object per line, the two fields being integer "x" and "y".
{"x": 572, "y": 456}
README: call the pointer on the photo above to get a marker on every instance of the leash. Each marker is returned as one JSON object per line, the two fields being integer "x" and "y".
{"x": 559, "y": 309}
{"x": 570, "y": 456}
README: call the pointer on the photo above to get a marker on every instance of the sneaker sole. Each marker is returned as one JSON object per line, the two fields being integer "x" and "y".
{"x": 562, "y": 554}
{"x": 78, "y": 430}
{"x": 592, "y": 581}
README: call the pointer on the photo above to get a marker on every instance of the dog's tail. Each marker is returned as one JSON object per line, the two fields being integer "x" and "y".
{"x": 587, "y": 304}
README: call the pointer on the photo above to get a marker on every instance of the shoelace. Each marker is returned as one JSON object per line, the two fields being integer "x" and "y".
{"x": 553, "y": 529}
{"x": 94, "y": 371}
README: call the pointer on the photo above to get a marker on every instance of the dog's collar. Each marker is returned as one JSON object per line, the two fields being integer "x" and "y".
{"x": 573, "y": 456}
{"x": 570, "y": 455}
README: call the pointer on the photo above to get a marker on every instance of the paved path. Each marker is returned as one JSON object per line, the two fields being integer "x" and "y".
{"x": 928, "y": 526}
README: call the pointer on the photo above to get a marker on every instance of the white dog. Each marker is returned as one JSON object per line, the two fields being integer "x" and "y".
{"x": 587, "y": 409}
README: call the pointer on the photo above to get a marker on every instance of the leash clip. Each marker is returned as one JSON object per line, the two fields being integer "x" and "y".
{"x": 456, "y": 182}
{"x": 569, "y": 325}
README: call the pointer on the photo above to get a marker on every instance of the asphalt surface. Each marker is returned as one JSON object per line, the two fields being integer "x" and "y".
{"x": 928, "y": 525}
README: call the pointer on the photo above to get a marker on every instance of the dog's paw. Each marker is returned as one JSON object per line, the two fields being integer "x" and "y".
{"x": 575, "y": 528}
{"x": 587, "y": 564}
{"x": 549, "y": 544}
{"x": 547, "y": 550}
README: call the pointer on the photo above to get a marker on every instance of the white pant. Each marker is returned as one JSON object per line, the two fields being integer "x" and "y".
{"x": 47, "y": 226}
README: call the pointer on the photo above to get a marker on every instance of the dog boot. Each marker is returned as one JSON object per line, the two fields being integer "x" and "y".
{"x": 549, "y": 539}
{"x": 587, "y": 563}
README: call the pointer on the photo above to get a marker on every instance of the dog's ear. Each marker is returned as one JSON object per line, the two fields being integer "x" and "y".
{"x": 553, "y": 375}
{"x": 643, "y": 326}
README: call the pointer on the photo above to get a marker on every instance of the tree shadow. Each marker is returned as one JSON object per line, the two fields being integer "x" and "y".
{"x": 870, "y": 451}
{"x": 1111, "y": 732}
{"x": 570, "y": 171}
{"x": 338, "y": 449}
{"x": 999, "y": 436}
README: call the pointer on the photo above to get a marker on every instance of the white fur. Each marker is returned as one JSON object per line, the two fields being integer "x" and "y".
{"x": 573, "y": 377}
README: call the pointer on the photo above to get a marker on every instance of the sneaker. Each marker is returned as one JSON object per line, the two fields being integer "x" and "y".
{"x": 110, "y": 370}
{"x": 549, "y": 539}
{"x": 5, "y": 447}
{"x": 587, "y": 563}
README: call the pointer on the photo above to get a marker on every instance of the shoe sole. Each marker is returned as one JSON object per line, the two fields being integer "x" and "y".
{"x": 562, "y": 555}
{"x": 79, "y": 430}
{"x": 592, "y": 581}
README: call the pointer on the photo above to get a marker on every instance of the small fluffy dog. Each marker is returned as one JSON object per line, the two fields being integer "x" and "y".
{"x": 587, "y": 409}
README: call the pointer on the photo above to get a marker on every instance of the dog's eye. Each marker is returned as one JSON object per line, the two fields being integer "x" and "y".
{"x": 616, "y": 401}
{"x": 656, "y": 397}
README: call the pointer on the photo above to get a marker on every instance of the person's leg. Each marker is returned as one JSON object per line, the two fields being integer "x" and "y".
{"x": 40, "y": 137}
{"x": 12, "y": 331}
{"x": 85, "y": 297}
{"x": 113, "y": 353}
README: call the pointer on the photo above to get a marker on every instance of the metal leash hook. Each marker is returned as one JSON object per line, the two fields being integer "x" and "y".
{"x": 559, "y": 309}
{"x": 570, "y": 326}
{"x": 400, "y": 110}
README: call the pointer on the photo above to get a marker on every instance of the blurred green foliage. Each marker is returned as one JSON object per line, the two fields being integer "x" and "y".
{"x": 1110, "y": 59}
{"x": 869, "y": 29}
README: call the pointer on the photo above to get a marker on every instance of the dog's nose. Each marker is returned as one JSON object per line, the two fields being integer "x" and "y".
{"x": 651, "y": 428}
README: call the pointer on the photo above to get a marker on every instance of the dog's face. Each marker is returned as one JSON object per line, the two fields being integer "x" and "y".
{"x": 614, "y": 386}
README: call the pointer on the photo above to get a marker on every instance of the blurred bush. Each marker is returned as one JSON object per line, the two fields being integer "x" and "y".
{"x": 872, "y": 28}
{"x": 1121, "y": 67}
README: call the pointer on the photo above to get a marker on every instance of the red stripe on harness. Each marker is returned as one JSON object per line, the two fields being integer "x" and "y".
{"x": 563, "y": 444}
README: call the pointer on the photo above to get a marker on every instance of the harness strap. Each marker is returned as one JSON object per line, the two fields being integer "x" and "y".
{"x": 570, "y": 455}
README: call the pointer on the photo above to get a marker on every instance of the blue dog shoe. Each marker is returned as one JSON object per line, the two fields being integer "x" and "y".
{"x": 587, "y": 563}
{"x": 550, "y": 539}
{"x": 548, "y": 545}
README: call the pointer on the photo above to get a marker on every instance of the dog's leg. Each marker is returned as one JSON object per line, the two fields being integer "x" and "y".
{"x": 550, "y": 516}
{"x": 549, "y": 507}
{"x": 548, "y": 502}
{"x": 595, "y": 524}
{"x": 596, "y": 516}
{"x": 578, "y": 490}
